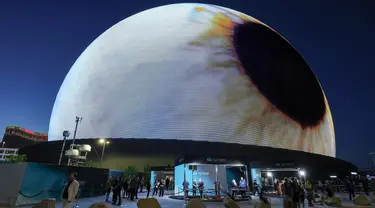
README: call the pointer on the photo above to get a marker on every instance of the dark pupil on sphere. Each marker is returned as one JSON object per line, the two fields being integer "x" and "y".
{"x": 279, "y": 73}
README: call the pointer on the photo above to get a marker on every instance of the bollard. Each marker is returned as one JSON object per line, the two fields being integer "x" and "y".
{"x": 47, "y": 203}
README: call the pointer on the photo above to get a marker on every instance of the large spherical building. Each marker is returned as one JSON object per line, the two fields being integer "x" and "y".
{"x": 195, "y": 78}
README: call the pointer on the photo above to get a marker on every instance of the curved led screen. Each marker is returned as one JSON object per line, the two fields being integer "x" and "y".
{"x": 195, "y": 72}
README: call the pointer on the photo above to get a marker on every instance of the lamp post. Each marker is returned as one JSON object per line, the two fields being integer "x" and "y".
{"x": 104, "y": 142}
{"x": 183, "y": 187}
{"x": 247, "y": 181}
{"x": 303, "y": 174}
{"x": 65, "y": 135}
{"x": 270, "y": 176}
{"x": 78, "y": 120}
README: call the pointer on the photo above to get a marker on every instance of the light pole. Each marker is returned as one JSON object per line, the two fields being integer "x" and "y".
{"x": 65, "y": 135}
{"x": 303, "y": 174}
{"x": 270, "y": 175}
{"x": 104, "y": 142}
{"x": 78, "y": 120}
{"x": 247, "y": 181}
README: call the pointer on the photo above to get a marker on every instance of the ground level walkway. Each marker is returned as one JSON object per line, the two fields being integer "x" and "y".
{"x": 166, "y": 202}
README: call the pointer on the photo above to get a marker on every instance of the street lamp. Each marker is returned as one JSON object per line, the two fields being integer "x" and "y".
{"x": 65, "y": 135}
{"x": 270, "y": 176}
{"x": 78, "y": 120}
{"x": 104, "y": 142}
{"x": 303, "y": 174}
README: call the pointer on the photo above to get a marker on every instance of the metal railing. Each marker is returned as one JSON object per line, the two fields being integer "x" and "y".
{"x": 5, "y": 152}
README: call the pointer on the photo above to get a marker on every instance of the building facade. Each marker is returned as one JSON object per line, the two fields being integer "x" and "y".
{"x": 17, "y": 137}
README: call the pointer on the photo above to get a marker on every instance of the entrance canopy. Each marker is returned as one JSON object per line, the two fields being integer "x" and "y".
{"x": 161, "y": 172}
{"x": 209, "y": 170}
{"x": 199, "y": 160}
{"x": 275, "y": 170}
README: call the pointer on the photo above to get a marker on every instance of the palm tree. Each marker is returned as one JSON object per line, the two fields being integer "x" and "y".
{"x": 146, "y": 168}
{"x": 131, "y": 171}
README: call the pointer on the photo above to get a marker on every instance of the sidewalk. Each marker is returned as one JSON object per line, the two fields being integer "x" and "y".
{"x": 166, "y": 202}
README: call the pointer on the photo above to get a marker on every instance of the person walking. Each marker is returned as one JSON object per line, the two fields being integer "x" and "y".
{"x": 289, "y": 193}
{"x": 365, "y": 184}
{"x": 217, "y": 187}
{"x": 350, "y": 187}
{"x": 256, "y": 188}
{"x": 185, "y": 186}
{"x": 156, "y": 188}
{"x": 125, "y": 187}
{"x": 108, "y": 191}
{"x": 201, "y": 188}
{"x": 167, "y": 182}
{"x": 117, "y": 191}
{"x": 296, "y": 193}
{"x": 70, "y": 191}
{"x": 133, "y": 188}
{"x": 195, "y": 188}
{"x": 161, "y": 188}
{"x": 310, "y": 193}
{"x": 141, "y": 184}
{"x": 137, "y": 187}
{"x": 148, "y": 187}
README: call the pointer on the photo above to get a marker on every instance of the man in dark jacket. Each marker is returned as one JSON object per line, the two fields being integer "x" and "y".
{"x": 289, "y": 193}
{"x": 167, "y": 181}
{"x": 365, "y": 184}
{"x": 116, "y": 192}
{"x": 138, "y": 180}
{"x": 133, "y": 187}
{"x": 350, "y": 187}
{"x": 148, "y": 187}
{"x": 161, "y": 188}
{"x": 125, "y": 187}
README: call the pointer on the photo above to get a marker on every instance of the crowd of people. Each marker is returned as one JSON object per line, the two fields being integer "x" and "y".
{"x": 238, "y": 188}
{"x": 195, "y": 186}
{"x": 129, "y": 187}
{"x": 159, "y": 187}
{"x": 350, "y": 184}
{"x": 295, "y": 191}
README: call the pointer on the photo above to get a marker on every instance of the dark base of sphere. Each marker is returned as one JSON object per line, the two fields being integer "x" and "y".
{"x": 121, "y": 153}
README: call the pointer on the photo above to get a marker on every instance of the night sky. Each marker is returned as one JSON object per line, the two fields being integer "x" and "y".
{"x": 40, "y": 40}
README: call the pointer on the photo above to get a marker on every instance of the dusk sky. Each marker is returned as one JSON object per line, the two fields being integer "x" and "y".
{"x": 40, "y": 40}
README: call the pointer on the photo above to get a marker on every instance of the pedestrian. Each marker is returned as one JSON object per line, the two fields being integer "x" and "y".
{"x": 350, "y": 187}
{"x": 161, "y": 188}
{"x": 167, "y": 182}
{"x": 109, "y": 188}
{"x": 133, "y": 187}
{"x": 148, "y": 187}
{"x": 310, "y": 193}
{"x": 156, "y": 188}
{"x": 70, "y": 191}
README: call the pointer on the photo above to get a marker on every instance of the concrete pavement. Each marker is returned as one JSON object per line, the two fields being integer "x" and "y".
{"x": 166, "y": 202}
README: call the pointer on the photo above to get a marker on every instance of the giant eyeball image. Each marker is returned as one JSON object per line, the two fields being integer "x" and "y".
{"x": 195, "y": 72}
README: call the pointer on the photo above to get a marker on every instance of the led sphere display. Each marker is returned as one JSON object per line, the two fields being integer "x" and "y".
{"x": 195, "y": 72}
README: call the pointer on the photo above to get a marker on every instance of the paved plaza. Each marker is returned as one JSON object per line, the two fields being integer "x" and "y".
{"x": 166, "y": 202}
